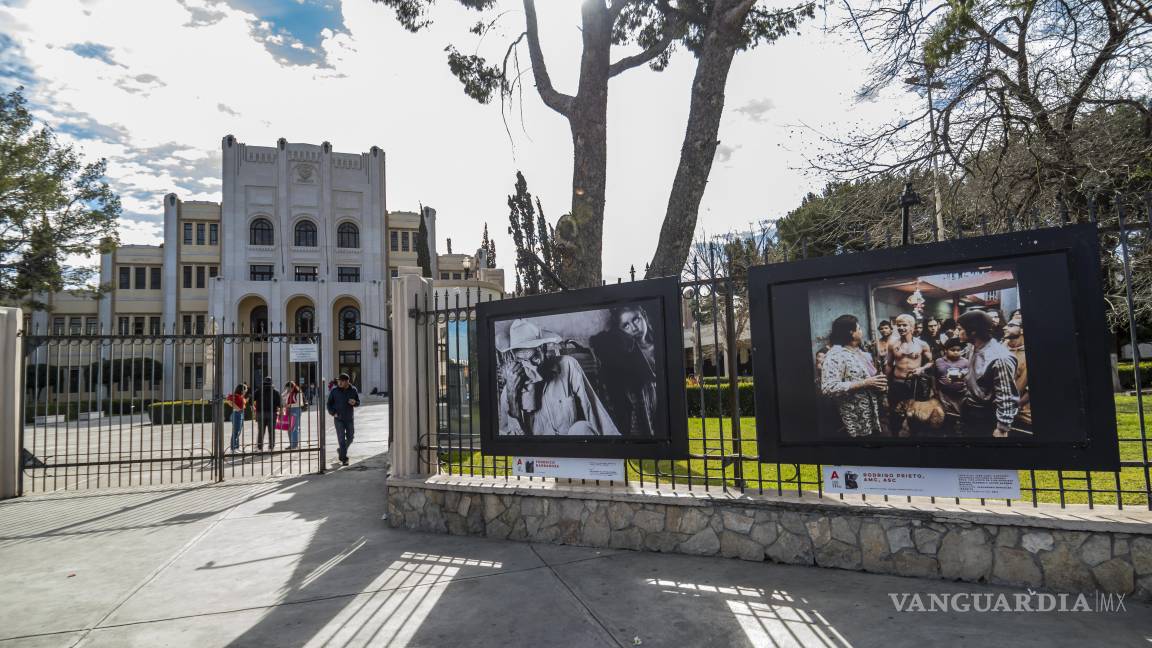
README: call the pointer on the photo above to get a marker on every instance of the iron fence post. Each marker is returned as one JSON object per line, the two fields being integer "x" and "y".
{"x": 218, "y": 405}
{"x": 733, "y": 385}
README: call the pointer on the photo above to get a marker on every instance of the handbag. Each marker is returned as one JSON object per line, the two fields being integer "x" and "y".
{"x": 284, "y": 422}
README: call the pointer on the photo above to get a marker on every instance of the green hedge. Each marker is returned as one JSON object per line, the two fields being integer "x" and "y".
{"x": 716, "y": 401}
{"x": 169, "y": 412}
{"x": 124, "y": 406}
{"x": 71, "y": 411}
{"x": 1128, "y": 375}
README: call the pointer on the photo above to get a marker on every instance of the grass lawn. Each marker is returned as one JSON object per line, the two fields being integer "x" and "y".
{"x": 714, "y": 439}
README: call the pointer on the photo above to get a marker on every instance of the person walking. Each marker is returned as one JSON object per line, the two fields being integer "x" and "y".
{"x": 342, "y": 402}
{"x": 237, "y": 402}
{"x": 267, "y": 402}
{"x": 293, "y": 404}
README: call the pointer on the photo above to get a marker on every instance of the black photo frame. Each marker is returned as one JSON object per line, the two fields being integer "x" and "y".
{"x": 661, "y": 300}
{"x": 1058, "y": 279}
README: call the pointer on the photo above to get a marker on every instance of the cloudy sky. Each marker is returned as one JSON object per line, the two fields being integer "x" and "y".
{"x": 154, "y": 86}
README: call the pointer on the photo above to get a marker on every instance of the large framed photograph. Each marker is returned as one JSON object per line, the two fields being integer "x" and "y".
{"x": 989, "y": 352}
{"x": 584, "y": 373}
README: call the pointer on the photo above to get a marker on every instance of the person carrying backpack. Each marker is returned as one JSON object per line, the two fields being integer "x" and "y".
{"x": 341, "y": 402}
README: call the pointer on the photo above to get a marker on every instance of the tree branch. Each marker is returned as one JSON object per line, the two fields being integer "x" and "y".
{"x": 654, "y": 50}
{"x": 552, "y": 98}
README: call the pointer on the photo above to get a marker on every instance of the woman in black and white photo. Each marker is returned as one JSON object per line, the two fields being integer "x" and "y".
{"x": 626, "y": 352}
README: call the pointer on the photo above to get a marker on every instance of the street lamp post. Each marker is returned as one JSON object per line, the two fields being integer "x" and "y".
{"x": 467, "y": 267}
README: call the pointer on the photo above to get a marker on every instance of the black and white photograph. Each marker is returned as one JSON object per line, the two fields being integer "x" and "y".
{"x": 975, "y": 353}
{"x": 584, "y": 373}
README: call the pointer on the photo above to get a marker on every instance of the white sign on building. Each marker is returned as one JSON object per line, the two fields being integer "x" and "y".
{"x": 303, "y": 353}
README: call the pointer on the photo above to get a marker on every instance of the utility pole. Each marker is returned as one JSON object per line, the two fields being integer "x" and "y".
{"x": 930, "y": 85}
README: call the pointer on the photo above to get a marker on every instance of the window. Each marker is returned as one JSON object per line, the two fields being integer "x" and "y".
{"x": 125, "y": 277}
{"x": 199, "y": 276}
{"x": 138, "y": 325}
{"x": 261, "y": 272}
{"x": 404, "y": 241}
{"x": 187, "y": 376}
{"x": 74, "y": 380}
{"x": 349, "y": 323}
{"x": 213, "y": 234}
{"x": 395, "y": 273}
{"x": 154, "y": 326}
{"x": 122, "y": 325}
{"x": 91, "y": 325}
{"x": 347, "y": 236}
{"x": 259, "y": 319}
{"x": 348, "y": 274}
{"x": 305, "y": 273}
{"x": 305, "y": 320}
{"x": 456, "y": 275}
{"x": 58, "y": 326}
{"x": 155, "y": 284}
{"x": 141, "y": 278}
{"x": 305, "y": 234}
{"x": 443, "y": 275}
{"x": 75, "y": 325}
{"x": 199, "y": 233}
{"x": 213, "y": 271}
{"x": 186, "y": 321}
{"x": 200, "y": 378}
{"x": 187, "y": 233}
{"x": 199, "y": 325}
{"x": 394, "y": 238}
{"x": 187, "y": 276}
{"x": 260, "y": 232}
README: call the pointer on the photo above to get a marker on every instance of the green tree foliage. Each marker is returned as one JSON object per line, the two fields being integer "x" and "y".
{"x": 489, "y": 247}
{"x": 712, "y": 30}
{"x": 53, "y": 206}
{"x": 532, "y": 236}
{"x": 423, "y": 249}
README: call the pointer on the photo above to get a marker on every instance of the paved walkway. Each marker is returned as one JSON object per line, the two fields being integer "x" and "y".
{"x": 307, "y": 561}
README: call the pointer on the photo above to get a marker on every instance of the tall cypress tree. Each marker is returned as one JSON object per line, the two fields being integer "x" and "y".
{"x": 423, "y": 258}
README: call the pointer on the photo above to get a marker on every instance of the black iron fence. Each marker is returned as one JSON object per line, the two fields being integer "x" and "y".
{"x": 111, "y": 411}
{"x": 721, "y": 428}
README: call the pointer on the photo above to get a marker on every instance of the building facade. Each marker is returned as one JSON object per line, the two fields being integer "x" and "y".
{"x": 301, "y": 242}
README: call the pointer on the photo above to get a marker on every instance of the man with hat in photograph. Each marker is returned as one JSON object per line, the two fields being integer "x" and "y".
{"x": 342, "y": 401}
{"x": 546, "y": 395}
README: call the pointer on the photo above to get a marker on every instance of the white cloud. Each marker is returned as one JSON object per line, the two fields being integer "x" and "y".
{"x": 196, "y": 70}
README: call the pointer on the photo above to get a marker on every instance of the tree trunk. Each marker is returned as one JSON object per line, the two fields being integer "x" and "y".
{"x": 699, "y": 147}
{"x": 580, "y": 234}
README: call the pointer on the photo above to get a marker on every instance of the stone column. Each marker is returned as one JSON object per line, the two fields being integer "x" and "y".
{"x": 413, "y": 396}
{"x": 11, "y": 319}
{"x": 170, "y": 315}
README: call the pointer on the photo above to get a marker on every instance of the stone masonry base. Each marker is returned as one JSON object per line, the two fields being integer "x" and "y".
{"x": 1069, "y": 550}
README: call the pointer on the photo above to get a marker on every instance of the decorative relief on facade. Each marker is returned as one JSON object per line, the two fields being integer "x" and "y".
{"x": 304, "y": 156}
{"x": 260, "y": 155}
{"x": 305, "y": 174}
{"x": 345, "y": 161}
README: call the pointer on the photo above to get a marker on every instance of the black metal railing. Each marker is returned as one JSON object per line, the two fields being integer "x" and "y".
{"x": 722, "y": 435}
{"x": 118, "y": 411}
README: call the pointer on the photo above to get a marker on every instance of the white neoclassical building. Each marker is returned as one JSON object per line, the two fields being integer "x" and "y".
{"x": 301, "y": 242}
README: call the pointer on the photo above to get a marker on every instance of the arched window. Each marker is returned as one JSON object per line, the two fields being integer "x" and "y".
{"x": 305, "y": 234}
{"x": 306, "y": 320}
{"x": 259, "y": 319}
{"x": 260, "y": 232}
{"x": 347, "y": 236}
{"x": 349, "y": 321}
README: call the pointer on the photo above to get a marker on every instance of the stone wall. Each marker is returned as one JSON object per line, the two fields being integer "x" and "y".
{"x": 1074, "y": 553}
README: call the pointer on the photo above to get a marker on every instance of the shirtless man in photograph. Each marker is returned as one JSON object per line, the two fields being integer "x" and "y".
{"x": 908, "y": 356}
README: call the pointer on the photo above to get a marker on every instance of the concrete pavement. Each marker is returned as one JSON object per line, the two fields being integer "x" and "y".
{"x": 307, "y": 561}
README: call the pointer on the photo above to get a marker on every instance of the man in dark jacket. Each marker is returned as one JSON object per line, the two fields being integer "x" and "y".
{"x": 341, "y": 402}
{"x": 266, "y": 401}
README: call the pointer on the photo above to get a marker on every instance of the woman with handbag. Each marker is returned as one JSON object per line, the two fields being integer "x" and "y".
{"x": 293, "y": 404}
{"x": 237, "y": 403}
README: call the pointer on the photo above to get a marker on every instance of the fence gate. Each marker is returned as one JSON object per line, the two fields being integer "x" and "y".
{"x": 116, "y": 411}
